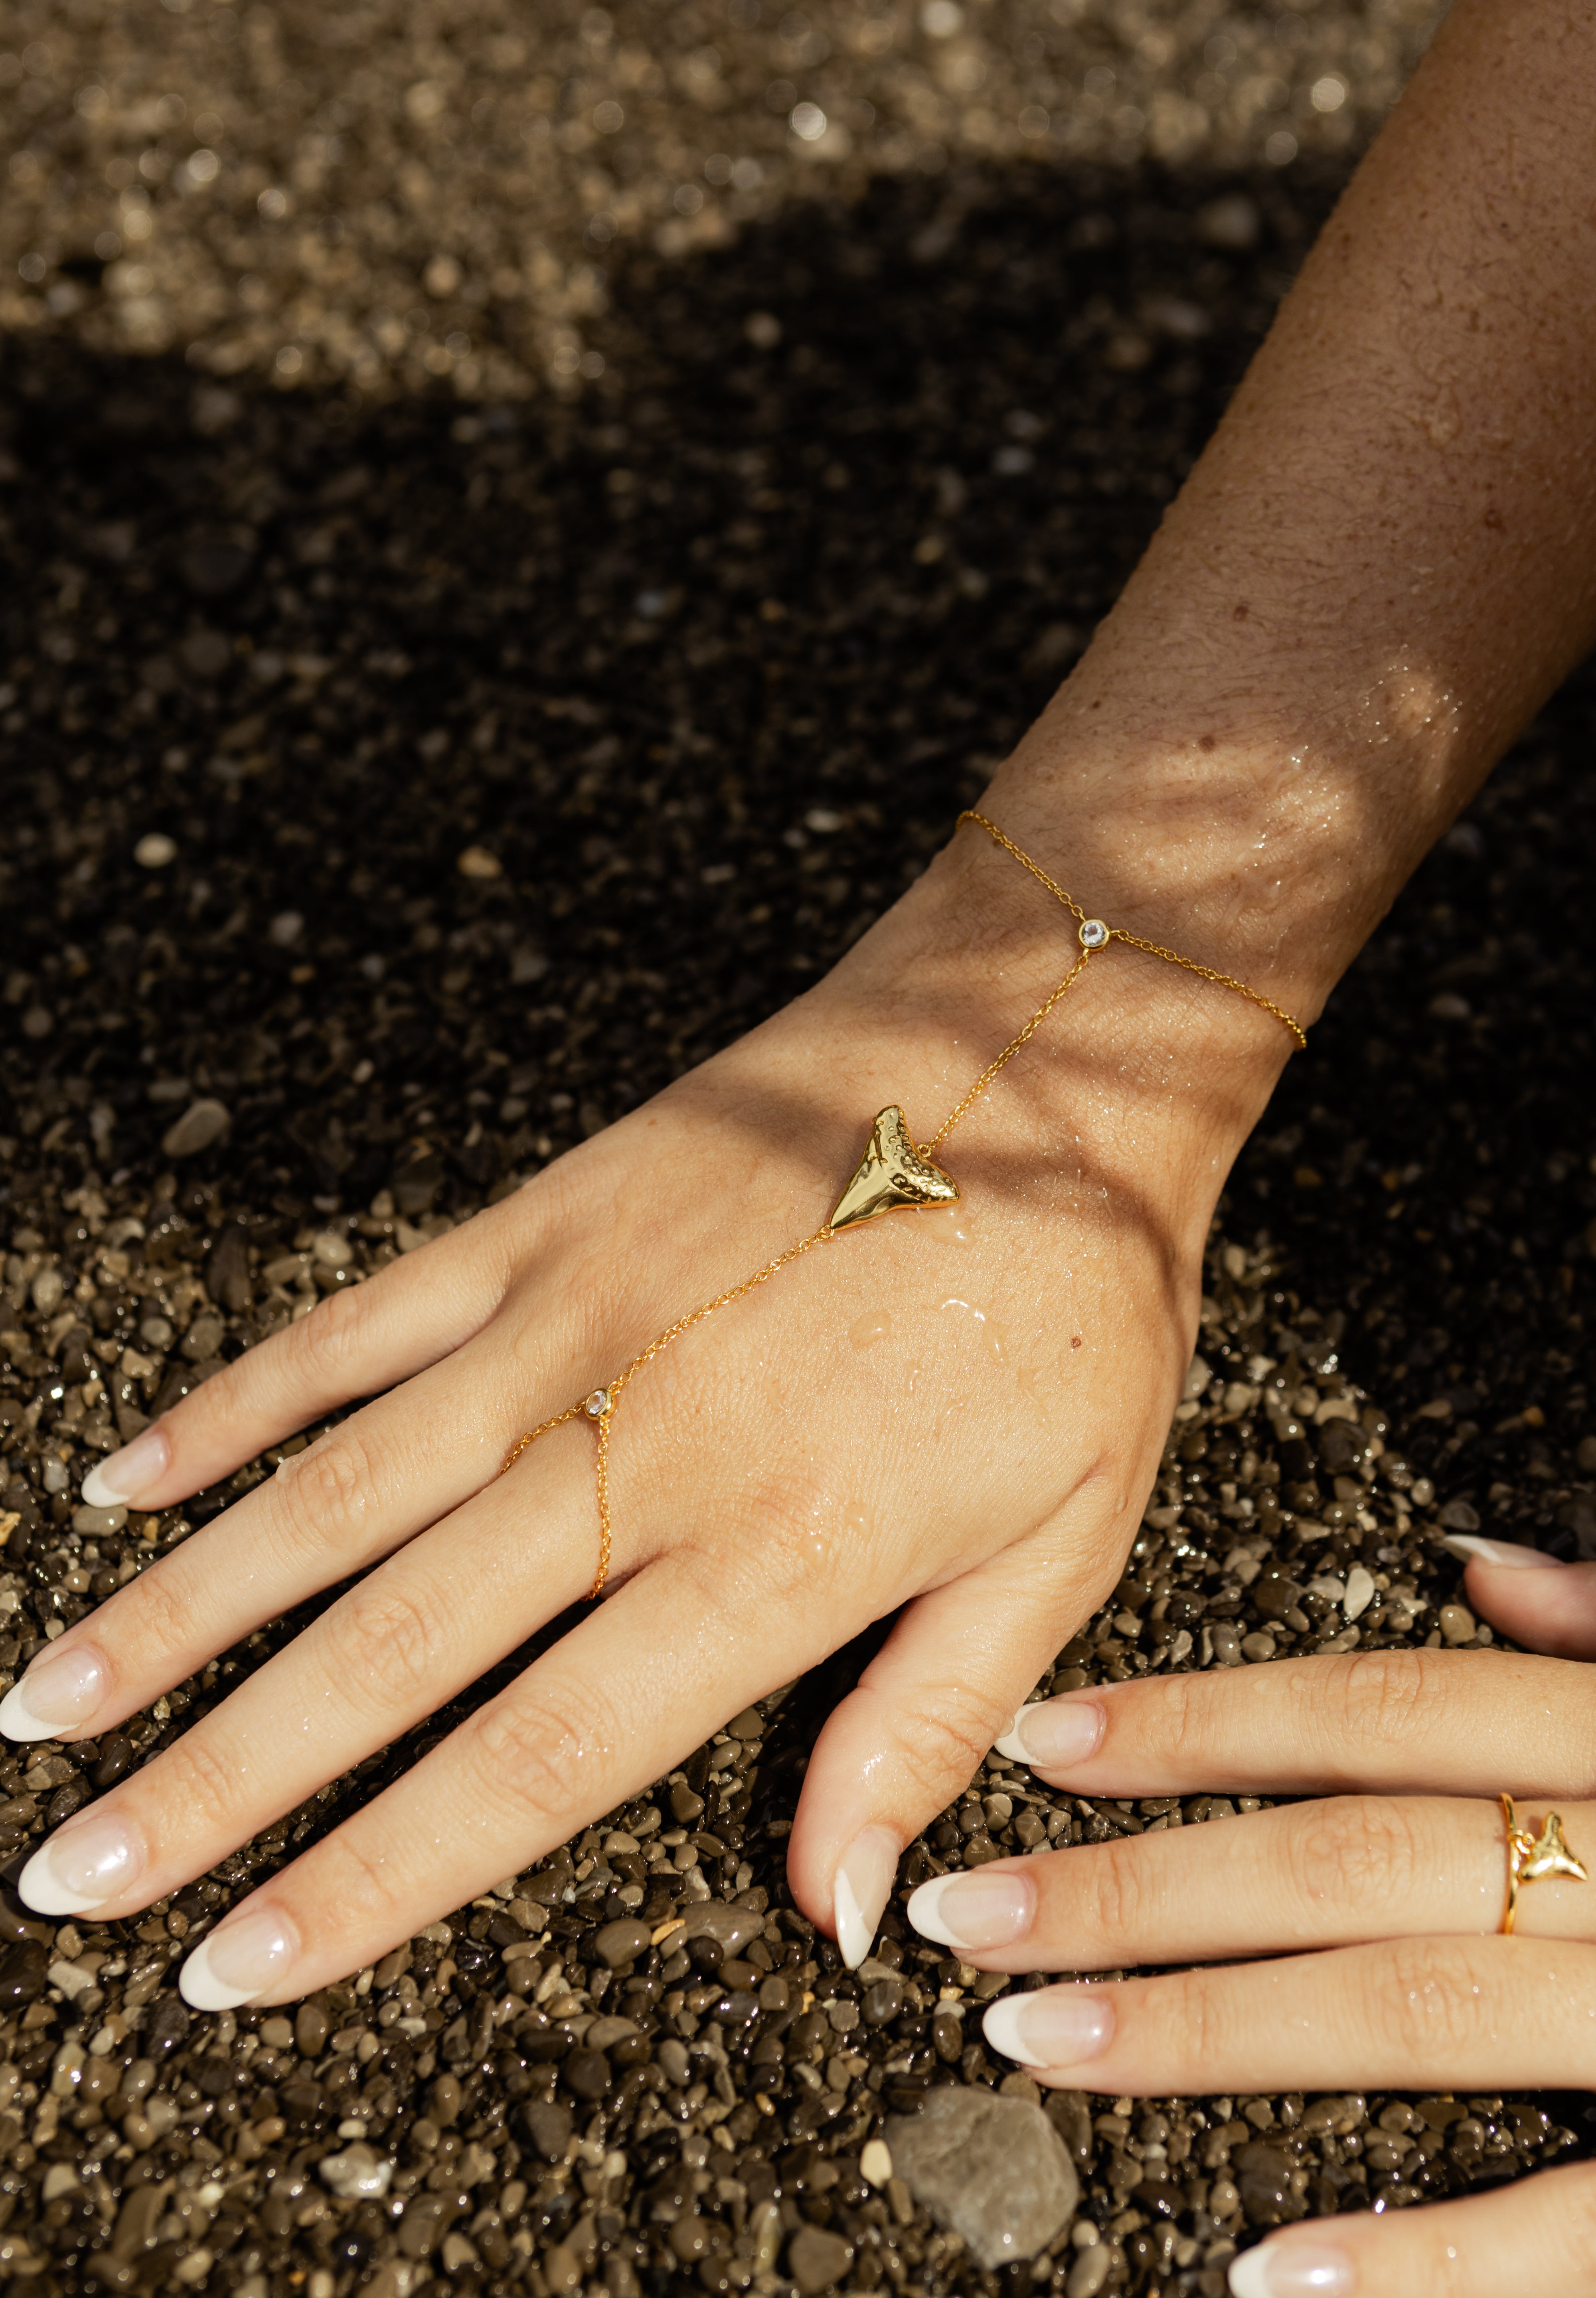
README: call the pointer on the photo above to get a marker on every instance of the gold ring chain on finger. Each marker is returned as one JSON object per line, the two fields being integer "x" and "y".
{"x": 896, "y": 1174}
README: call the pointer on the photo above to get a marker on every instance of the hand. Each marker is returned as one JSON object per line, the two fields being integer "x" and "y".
{"x": 1382, "y": 1908}
{"x": 955, "y": 1414}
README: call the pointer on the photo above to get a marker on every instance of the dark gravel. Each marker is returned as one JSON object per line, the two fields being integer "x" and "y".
{"x": 396, "y": 792}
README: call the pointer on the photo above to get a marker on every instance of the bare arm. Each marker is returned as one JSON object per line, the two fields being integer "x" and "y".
{"x": 1386, "y": 558}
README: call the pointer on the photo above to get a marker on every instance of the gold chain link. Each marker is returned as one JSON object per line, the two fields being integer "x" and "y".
{"x": 606, "y": 1398}
{"x": 1152, "y": 949}
{"x": 1008, "y": 1054}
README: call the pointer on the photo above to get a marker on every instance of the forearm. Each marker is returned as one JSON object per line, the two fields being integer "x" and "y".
{"x": 1382, "y": 564}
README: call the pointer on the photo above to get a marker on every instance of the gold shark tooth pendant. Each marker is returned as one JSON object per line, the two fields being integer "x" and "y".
{"x": 1531, "y": 1859}
{"x": 892, "y": 1173}
{"x": 1551, "y": 1855}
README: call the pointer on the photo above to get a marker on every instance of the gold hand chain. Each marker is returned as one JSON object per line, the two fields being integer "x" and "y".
{"x": 894, "y": 1175}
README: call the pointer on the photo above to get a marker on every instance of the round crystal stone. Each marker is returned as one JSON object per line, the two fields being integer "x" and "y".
{"x": 598, "y": 1404}
{"x": 1093, "y": 933}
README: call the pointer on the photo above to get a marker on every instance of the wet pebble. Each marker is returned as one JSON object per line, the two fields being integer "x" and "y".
{"x": 621, "y": 1942}
{"x": 993, "y": 2169}
{"x": 817, "y": 2260}
{"x": 358, "y": 2173}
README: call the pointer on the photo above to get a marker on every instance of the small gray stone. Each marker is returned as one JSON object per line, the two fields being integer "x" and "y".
{"x": 993, "y": 2169}
{"x": 206, "y": 653}
{"x": 605, "y": 2033}
{"x": 201, "y": 1123}
{"x": 733, "y": 1927}
{"x": 816, "y": 2259}
{"x": 548, "y": 2127}
{"x": 203, "y": 1338}
{"x": 1090, "y": 2271}
{"x": 96, "y": 1523}
{"x": 359, "y": 2173}
{"x": 621, "y": 1942}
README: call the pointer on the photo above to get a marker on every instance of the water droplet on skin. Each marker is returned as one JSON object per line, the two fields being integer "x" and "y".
{"x": 948, "y": 1224}
{"x": 875, "y": 1325}
{"x": 996, "y": 1336}
{"x": 843, "y": 1527}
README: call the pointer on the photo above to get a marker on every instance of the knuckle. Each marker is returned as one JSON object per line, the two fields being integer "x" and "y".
{"x": 362, "y": 1893}
{"x": 1432, "y": 1999}
{"x": 791, "y": 1554}
{"x": 1372, "y": 1700}
{"x": 534, "y": 1755}
{"x": 1355, "y": 1852}
{"x": 162, "y": 1617}
{"x": 1198, "y": 2007}
{"x": 324, "y": 1497}
{"x": 1114, "y": 1893}
{"x": 952, "y": 1733}
{"x": 326, "y": 1343}
{"x": 383, "y": 1646}
{"x": 199, "y": 1779}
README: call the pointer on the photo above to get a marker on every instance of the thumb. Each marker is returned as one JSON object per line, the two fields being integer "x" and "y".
{"x": 1540, "y": 1602}
{"x": 944, "y": 1685}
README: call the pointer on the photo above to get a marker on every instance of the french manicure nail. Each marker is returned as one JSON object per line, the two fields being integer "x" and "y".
{"x": 1291, "y": 2269}
{"x": 859, "y": 1895}
{"x": 1056, "y": 2028}
{"x": 238, "y": 1962}
{"x": 121, "y": 1476}
{"x": 1051, "y": 1734}
{"x": 1506, "y": 1554}
{"x": 83, "y": 1865}
{"x": 978, "y": 1910}
{"x": 60, "y": 1690}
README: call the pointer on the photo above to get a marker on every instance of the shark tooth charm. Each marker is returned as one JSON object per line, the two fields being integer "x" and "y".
{"x": 1533, "y": 1859}
{"x": 892, "y": 1173}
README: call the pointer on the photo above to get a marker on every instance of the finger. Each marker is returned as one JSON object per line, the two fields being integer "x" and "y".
{"x": 394, "y": 1648}
{"x": 1315, "y": 1874}
{"x": 361, "y": 1491}
{"x": 1446, "y": 1722}
{"x": 631, "y": 1691}
{"x": 1402, "y": 2014}
{"x": 358, "y": 1340}
{"x": 1536, "y": 1599}
{"x": 1474, "y": 2248}
{"x": 926, "y": 1710}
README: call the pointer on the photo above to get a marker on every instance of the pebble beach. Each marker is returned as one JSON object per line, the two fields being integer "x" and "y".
{"x": 528, "y": 525}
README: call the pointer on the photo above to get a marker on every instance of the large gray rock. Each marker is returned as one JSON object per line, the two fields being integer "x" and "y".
{"x": 993, "y": 2169}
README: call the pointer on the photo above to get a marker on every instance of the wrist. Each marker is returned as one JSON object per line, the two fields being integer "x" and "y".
{"x": 1145, "y": 1076}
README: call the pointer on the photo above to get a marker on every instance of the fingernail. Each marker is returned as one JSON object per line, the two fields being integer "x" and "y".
{"x": 1056, "y": 2028}
{"x": 1507, "y": 1554}
{"x": 60, "y": 1689}
{"x": 83, "y": 1865}
{"x": 238, "y": 1962}
{"x": 976, "y": 1910}
{"x": 122, "y": 1475}
{"x": 1053, "y": 1733}
{"x": 1292, "y": 2269}
{"x": 865, "y": 1878}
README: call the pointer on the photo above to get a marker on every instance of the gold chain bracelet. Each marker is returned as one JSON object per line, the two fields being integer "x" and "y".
{"x": 894, "y": 1174}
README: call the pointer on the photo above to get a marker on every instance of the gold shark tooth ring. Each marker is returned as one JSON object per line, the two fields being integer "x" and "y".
{"x": 1533, "y": 1859}
{"x": 892, "y": 1173}
{"x": 895, "y": 1175}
